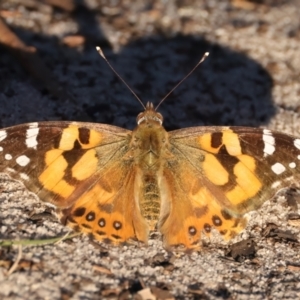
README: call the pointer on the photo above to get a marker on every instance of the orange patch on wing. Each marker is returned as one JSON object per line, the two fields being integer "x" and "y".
{"x": 52, "y": 177}
{"x": 248, "y": 184}
{"x": 68, "y": 137}
{"x": 71, "y": 134}
{"x": 248, "y": 161}
{"x": 214, "y": 170}
{"x": 52, "y": 155}
{"x": 63, "y": 189}
{"x": 85, "y": 166}
{"x": 232, "y": 143}
{"x": 205, "y": 143}
{"x": 97, "y": 194}
{"x": 94, "y": 140}
{"x": 229, "y": 139}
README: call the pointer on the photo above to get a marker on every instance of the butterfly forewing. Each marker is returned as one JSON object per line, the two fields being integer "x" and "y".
{"x": 47, "y": 156}
{"x": 258, "y": 160}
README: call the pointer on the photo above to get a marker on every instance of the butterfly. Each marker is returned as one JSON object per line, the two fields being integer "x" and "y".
{"x": 119, "y": 185}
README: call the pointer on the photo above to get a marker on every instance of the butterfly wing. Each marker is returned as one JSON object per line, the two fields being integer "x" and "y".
{"x": 220, "y": 173}
{"x": 80, "y": 168}
{"x": 211, "y": 176}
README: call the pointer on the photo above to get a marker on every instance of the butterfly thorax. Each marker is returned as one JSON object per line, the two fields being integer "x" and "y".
{"x": 149, "y": 143}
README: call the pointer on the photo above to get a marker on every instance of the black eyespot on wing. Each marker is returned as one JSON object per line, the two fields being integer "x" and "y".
{"x": 192, "y": 230}
{"x": 216, "y": 221}
{"x": 117, "y": 225}
{"x": 90, "y": 216}
{"x": 79, "y": 212}
{"x": 101, "y": 222}
{"x": 207, "y": 228}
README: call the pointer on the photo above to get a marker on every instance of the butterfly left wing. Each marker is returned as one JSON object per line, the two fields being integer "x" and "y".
{"x": 82, "y": 169}
{"x": 217, "y": 174}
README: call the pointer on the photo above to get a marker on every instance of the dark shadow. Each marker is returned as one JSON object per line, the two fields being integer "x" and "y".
{"x": 229, "y": 88}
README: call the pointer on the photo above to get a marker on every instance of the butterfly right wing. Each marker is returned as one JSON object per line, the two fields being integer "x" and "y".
{"x": 215, "y": 175}
{"x": 82, "y": 169}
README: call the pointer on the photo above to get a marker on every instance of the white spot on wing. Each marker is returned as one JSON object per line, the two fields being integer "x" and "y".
{"x": 8, "y": 157}
{"x": 1, "y": 149}
{"x": 3, "y": 135}
{"x": 24, "y": 176}
{"x": 22, "y": 160}
{"x": 269, "y": 142}
{"x": 297, "y": 144}
{"x": 291, "y": 178}
{"x": 292, "y": 165}
{"x": 33, "y": 125}
{"x": 298, "y": 157}
{"x": 278, "y": 168}
{"x": 10, "y": 170}
{"x": 31, "y": 135}
{"x": 275, "y": 185}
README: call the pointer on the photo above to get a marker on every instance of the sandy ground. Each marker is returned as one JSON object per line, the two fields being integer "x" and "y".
{"x": 251, "y": 78}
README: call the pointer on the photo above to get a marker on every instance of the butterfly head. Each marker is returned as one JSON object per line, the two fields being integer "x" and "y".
{"x": 149, "y": 116}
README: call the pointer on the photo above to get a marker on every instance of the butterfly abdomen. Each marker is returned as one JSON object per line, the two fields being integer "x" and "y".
{"x": 149, "y": 200}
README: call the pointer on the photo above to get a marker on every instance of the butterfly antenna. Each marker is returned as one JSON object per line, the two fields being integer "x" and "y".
{"x": 130, "y": 89}
{"x": 183, "y": 79}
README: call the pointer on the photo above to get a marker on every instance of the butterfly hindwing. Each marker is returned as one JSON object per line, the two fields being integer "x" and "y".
{"x": 107, "y": 209}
